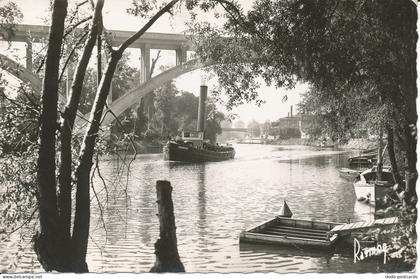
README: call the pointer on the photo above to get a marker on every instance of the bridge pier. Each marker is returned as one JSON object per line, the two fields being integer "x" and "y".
{"x": 110, "y": 97}
{"x": 29, "y": 55}
{"x": 181, "y": 56}
{"x": 145, "y": 63}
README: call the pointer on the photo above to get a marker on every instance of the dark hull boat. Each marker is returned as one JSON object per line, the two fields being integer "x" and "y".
{"x": 362, "y": 161}
{"x": 181, "y": 151}
{"x": 191, "y": 146}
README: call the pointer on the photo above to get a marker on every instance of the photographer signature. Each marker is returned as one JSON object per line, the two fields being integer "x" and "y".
{"x": 362, "y": 253}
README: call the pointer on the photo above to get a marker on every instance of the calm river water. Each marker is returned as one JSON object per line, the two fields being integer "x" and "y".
{"x": 213, "y": 203}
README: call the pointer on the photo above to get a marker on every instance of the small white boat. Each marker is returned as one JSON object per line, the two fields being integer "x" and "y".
{"x": 368, "y": 188}
{"x": 349, "y": 174}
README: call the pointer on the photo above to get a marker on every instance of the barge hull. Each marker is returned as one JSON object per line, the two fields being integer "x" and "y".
{"x": 177, "y": 152}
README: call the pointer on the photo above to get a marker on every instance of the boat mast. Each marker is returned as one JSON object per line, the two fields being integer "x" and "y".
{"x": 201, "y": 119}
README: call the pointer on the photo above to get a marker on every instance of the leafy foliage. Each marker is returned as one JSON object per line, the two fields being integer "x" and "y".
{"x": 10, "y": 15}
{"x": 214, "y": 118}
{"x": 348, "y": 115}
{"x": 359, "y": 56}
{"x": 164, "y": 103}
{"x": 18, "y": 124}
{"x": 18, "y": 149}
{"x": 402, "y": 237}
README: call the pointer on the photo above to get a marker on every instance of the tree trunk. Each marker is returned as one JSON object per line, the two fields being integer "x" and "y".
{"x": 47, "y": 242}
{"x": 410, "y": 95}
{"x": 82, "y": 214}
{"x": 67, "y": 123}
{"x": 392, "y": 158}
{"x": 410, "y": 171}
{"x": 166, "y": 250}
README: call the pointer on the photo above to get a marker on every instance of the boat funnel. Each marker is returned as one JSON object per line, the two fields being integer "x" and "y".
{"x": 285, "y": 211}
{"x": 201, "y": 119}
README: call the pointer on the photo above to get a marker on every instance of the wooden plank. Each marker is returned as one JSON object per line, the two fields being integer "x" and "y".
{"x": 346, "y": 227}
{"x": 261, "y": 225}
{"x": 365, "y": 225}
{"x": 338, "y": 228}
{"x": 370, "y": 223}
{"x": 359, "y": 225}
{"x": 293, "y": 235}
{"x": 353, "y": 225}
{"x": 277, "y": 231}
{"x": 300, "y": 229}
{"x": 284, "y": 240}
{"x": 308, "y": 221}
{"x": 379, "y": 221}
{"x": 391, "y": 220}
{"x": 297, "y": 231}
{"x": 349, "y": 226}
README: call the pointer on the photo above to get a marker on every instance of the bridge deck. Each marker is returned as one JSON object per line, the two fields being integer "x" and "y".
{"x": 364, "y": 225}
{"x": 154, "y": 40}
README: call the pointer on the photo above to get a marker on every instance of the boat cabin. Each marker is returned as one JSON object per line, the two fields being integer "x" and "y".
{"x": 194, "y": 139}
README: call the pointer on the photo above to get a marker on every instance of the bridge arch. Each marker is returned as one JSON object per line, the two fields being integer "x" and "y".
{"x": 21, "y": 72}
{"x": 128, "y": 99}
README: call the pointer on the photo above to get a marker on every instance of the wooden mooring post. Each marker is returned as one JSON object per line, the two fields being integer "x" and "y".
{"x": 166, "y": 250}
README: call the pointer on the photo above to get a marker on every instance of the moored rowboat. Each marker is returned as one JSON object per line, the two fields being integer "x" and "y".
{"x": 288, "y": 231}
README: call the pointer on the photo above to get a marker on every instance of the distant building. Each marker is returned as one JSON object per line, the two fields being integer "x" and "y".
{"x": 292, "y": 126}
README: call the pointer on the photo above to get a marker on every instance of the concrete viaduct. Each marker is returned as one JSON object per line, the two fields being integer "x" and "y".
{"x": 30, "y": 34}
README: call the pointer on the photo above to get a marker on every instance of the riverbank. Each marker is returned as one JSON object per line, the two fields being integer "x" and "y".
{"x": 140, "y": 147}
{"x": 353, "y": 144}
{"x": 156, "y": 146}
{"x": 359, "y": 144}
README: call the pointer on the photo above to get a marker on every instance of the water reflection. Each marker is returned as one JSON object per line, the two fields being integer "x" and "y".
{"x": 146, "y": 209}
{"x": 201, "y": 191}
{"x": 285, "y": 259}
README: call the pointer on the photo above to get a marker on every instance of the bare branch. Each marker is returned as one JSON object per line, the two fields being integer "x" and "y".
{"x": 74, "y": 26}
{"x": 101, "y": 177}
{"x": 154, "y": 60}
{"x": 99, "y": 204}
{"x": 79, "y": 42}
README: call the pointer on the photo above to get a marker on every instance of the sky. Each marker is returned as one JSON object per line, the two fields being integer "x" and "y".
{"x": 116, "y": 17}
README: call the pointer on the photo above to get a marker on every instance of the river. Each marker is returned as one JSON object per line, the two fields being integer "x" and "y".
{"x": 213, "y": 202}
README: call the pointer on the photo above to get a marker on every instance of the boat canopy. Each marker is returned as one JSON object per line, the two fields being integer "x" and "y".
{"x": 192, "y": 135}
{"x": 195, "y": 138}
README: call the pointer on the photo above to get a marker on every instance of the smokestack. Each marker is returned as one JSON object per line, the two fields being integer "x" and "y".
{"x": 291, "y": 111}
{"x": 201, "y": 119}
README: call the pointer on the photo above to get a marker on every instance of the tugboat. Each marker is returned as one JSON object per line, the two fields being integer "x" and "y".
{"x": 191, "y": 146}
